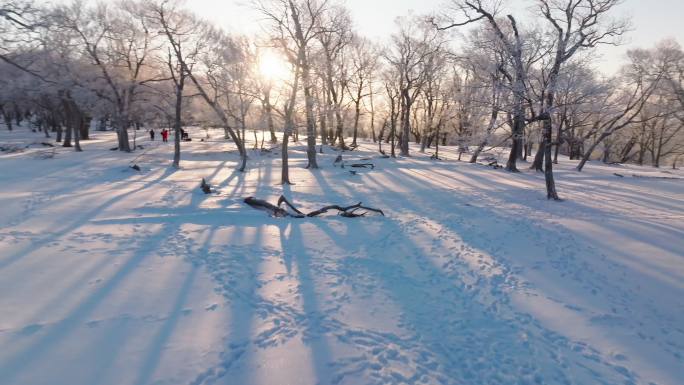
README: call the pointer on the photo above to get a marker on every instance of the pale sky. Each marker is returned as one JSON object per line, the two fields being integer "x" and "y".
{"x": 652, "y": 20}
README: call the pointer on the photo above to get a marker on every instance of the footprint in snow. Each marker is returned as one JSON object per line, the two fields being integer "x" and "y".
{"x": 30, "y": 329}
{"x": 93, "y": 324}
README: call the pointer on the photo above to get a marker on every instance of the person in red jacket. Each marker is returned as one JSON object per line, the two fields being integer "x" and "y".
{"x": 165, "y": 135}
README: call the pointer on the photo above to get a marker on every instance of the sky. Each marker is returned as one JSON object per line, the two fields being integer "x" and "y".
{"x": 652, "y": 20}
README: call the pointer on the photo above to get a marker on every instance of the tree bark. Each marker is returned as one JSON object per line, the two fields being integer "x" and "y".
{"x": 178, "y": 121}
{"x": 517, "y": 143}
{"x": 406, "y": 122}
{"x": 303, "y": 60}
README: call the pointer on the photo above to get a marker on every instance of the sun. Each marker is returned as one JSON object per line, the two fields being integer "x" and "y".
{"x": 272, "y": 66}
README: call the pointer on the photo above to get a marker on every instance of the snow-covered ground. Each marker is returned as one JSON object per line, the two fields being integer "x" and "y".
{"x": 112, "y": 276}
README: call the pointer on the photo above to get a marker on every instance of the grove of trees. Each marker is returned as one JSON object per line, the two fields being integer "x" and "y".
{"x": 470, "y": 75}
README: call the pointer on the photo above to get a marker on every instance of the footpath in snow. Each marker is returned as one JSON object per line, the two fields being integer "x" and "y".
{"x": 113, "y": 276}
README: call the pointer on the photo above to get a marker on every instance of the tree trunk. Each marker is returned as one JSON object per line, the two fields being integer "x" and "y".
{"x": 85, "y": 127}
{"x": 381, "y": 135}
{"x": 490, "y": 127}
{"x": 178, "y": 121}
{"x": 323, "y": 126}
{"x": 329, "y": 114}
{"x": 46, "y": 128}
{"x": 285, "y": 168}
{"x": 339, "y": 128}
{"x": 606, "y": 153}
{"x": 587, "y": 154}
{"x": 310, "y": 118}
{"x": 122, "y": 130}
{"x": 516, "y": 145}
{"x": 357, "y": 115}
{"x": 437, "y": 144}
{"x": 406, "y": 123}
{"x": 557, "y": 147}
{"x": 538, "y": 162}
{"x": 548, "y": 163}
{"x": 58, "y": 129}
{"x": 8, "y": 120}
{"x": 287, "y": 131}
{"x": 269, "y": 117}
{"x": 307, "y": 83}
{"x": 222, "y": 116}
{"x": 68, "y": 133}
{"x": 372, "y": 122}
{"x": 77, "y": 136}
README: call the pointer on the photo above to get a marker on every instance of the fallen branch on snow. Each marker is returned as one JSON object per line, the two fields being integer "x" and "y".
{"x": 340, "y": 161}
{"x": 654, "y": 177}
{"x": 206, "y": 187}
{"x": 364, "y": 165}
{"x": 493, "y": 164}
{"x": 353, "y": 211}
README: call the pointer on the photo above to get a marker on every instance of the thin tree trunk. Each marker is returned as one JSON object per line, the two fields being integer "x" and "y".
{"x": 406, "y": 123}
{"x": 490, "y": 127}
{"x": 372, "y": 105}
{"x": 222, "y": 116}
{"x": 68, "y": 122}
{"x": 8, "y": 120}
{"x": 357, "y": 115}
{"x": 58, "y": 129}
{"x": 77, "y": 138}
{"x": 548, "y": 164}
{"x": 178, "y": 121}
{"x": 85, "y": 127}
{"x": 46, "y": 128}
{"x": 287, "y": 131}
{"x": 303, "y": 62}
{"x": 437, "y": 144}
{"x": 538, "y": 162}
{"x": 310, "y": 118}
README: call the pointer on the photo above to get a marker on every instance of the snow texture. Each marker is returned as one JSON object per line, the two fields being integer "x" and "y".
{"x": 113, "y": 276}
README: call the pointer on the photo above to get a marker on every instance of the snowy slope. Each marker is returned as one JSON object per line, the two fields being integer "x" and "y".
{"x": 110, "y": 276}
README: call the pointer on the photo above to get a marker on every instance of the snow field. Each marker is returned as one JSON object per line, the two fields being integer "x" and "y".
{"x": 111, "y": 276}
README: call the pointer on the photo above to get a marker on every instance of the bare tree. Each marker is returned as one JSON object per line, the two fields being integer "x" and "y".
{"x": 410, "y": 51}
{"x": 624, "y": 109}
{"x": 119, "y": 43}
{"x": 289, "y": 126}
{"x": 218, "y": 51}
{"x": 334, "y": 36}
{"x": 578, "y": 25}
{"x": 298, "y": 21}
{"x": 364, "y": 63}
{"x": 473, "y": 11}
{"x": 20, "y": 23}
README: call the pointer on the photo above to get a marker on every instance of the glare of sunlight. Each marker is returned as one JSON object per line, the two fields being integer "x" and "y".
{"x": 273, "y": 66}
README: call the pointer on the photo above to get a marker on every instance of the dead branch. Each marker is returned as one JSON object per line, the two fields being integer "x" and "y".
{"x": 206, "y": 188}
{"x": 274, "y": 210}
{"x": 349, "y": 211}
{"x": 353, "y": 211}
{"x": 363, "y": 165}
{"x": 282, "y": 200}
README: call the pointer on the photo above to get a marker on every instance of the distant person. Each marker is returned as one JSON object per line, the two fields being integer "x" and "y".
{"x": 152, "y": 134}
{"x": 165, "y": 135}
